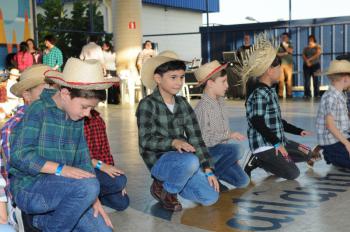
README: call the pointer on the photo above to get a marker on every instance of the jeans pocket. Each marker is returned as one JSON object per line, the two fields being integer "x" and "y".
{"x": 31, "y": 203}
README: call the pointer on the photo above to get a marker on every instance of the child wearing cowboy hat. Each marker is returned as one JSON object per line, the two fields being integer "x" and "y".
{"x": 51, "y": 174}
{"x": 332, "y": 121}
{"x": 271, "y": 150}
{"x": 215, "y": 126}
{"x": 170, "y": 139}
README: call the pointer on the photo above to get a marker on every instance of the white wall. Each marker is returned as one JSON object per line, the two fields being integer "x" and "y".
{"x": 161, "y": 20}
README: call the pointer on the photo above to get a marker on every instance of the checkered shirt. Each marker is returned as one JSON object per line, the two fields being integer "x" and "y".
{"x": 53, "y": 58}
{"x": 96, "y": 138}
{"x": 263, "y": 102}
{"x": 158, "y": 127}
{"x": 333, "y": 102}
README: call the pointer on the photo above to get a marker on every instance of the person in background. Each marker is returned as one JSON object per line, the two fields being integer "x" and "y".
{"x": 246, "y": 45}
{"x": 311, "y": 66}
{"x": 32, "y": 49}
{"x": 146, "y": 53}
{"x": 92, "y": 51}
{"x": 285, "y": 52}
{"x": 111, "y": 71}
{"x": 23, "y": 59}
{"x": 52, "y": 55}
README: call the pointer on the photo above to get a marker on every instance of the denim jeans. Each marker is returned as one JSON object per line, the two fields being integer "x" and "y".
{"x": 181, "y": 174}
{"x": 62, "y": 204}
{"x": 225, "y": 158}
{"x": 111, "y": 191}
{"x": 337, "y": 155}
{"x": 6, "y": 228}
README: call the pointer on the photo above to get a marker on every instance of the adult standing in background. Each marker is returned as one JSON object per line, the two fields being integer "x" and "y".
{"x": 23, "y": 59}
{"x": 110, "y": 65}
{"x": 92, "y": 51}
{"x": 146, "y": 53}
{"x": 245, "y": 47}
{"x": 37, "y": 56}
{"x": 311, "y": 67}
{"x": 285, "y": 52}
{"x": 52, "y": 55}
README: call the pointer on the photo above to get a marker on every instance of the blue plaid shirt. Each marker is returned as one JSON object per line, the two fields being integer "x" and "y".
{"x": 45, "y": 134}
{"x": 263, "y": 102}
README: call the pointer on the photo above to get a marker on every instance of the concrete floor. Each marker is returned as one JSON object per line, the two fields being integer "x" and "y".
{"x": 317, "y": 201}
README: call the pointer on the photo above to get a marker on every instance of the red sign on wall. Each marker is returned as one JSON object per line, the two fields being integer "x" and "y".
{"x": 132, "y": 25}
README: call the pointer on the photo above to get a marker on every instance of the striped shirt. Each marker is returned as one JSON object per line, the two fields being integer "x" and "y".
{"x": 212, "y": 120}
{"x": 158, "y": 127}
{"x": 45, "y": 134}
{"x": 333, "y": 102}
{"x": 53, "y": 57}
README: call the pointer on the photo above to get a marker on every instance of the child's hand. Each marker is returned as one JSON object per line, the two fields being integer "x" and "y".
{"x": 213, "y": 182}
{"x": 111, "y": 170}
{"x": 306, "y": 133}
{"x": 181, "y": 146}
{"x": 99, "y": 210}
{"x": 283, "y": 151}
{"x": 237, "y": 136}
{"x": 75, "y": 173}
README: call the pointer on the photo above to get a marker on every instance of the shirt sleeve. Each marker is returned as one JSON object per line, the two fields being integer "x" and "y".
{"x": 194, "y": 137}
{"x": 23, "y": 154}
{"x": 59, "y": 58}
{"x": 148, "y": 138}
{"x": 331, "y": 106}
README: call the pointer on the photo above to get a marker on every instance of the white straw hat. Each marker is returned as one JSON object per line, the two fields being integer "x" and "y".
{"x": 79, "y": 74}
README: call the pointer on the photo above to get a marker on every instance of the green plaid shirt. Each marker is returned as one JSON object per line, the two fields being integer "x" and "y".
{"x": 158, "y": 127}
{"x": 263, "y": 101}
{"x": 53, "y": 58}
{"x": 45, "y": 134}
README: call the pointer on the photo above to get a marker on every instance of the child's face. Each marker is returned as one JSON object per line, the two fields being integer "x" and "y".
{"x": 78, "y": 108}
{"x": 33, "y": 94}
{"x": 347, "y": 81}
{"x": 219, "y": 86}
{"x": 171, "y": 81}
{"x": 275, "y": 73}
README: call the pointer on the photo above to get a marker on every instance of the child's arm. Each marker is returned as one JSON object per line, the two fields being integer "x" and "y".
{"x": 331, "y": 126}
{"x": 3, "y": 199}
{"x": 106, "y": 168}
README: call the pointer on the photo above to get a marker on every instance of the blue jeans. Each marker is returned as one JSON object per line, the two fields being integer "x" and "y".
{"x": 337, "y": 155}
{"x": 62, "y": 204}
{"x": 181, "y": 174}
{"x": 225, "y": 158}
{"x": 111, "y": 191}
{"x": 6, "y": 228}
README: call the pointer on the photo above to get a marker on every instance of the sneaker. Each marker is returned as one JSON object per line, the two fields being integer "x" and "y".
{"x": 251, "y": 164}
{"x": 315, "y": 156}
{"x": 169, "y": 201}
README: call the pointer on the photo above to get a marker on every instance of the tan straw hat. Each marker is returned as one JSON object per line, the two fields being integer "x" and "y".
{"x": 257, "y": 59}
{"x": 79, "y": 74}
{"x": 148, "y": 68}
{"x": 30, "y": 78}
{"x": 207, "y": 71}
{"x": 338, "y": 66}
{"x": 14, "y": 72}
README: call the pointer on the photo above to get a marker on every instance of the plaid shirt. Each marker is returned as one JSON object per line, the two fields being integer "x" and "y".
{"x": 263, "y": 102}
{"x": 96, "y": 138}
{"x": 53, "y": 58}
{"x": 5, "y": 141}
{"x": 158, "y": 127}
{"x": 212, "y": 120}
{"x": 333, "y": 102}
{"x": 45, "y": 134}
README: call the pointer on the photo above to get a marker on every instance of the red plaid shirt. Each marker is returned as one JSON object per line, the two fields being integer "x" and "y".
{"x": 96, "y": 138}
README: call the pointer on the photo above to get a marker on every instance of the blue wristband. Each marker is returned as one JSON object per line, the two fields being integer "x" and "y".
{"x": 209, "y": 174}
{"x": 59, "y": 170}
{"x": 98, "y": 165}
{"x": 277, "y": 145}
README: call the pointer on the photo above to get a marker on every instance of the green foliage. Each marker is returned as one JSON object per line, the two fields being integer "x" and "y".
{"x": 71, "y": 32}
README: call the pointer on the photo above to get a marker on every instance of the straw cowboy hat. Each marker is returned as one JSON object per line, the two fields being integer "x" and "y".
{"x": 14, "y": 72}
{"x": 257, "y": 59}
{"x": 207, "y": 71}
{"x": 338, "y": 66}
{"x": 30, "y": 78}
{"x": 79, "y": 74}
{"x": 148, "y": 68}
